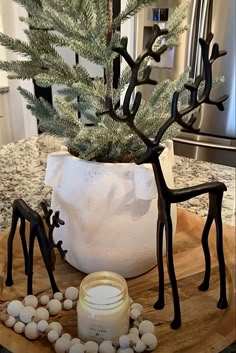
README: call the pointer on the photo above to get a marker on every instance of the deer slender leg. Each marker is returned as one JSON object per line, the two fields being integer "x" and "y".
{"x": 222, "y": 303}
{"x": 24, "y": 245}
{"x": 15, "y": 217}
{"x": 46, "y": 259}
{"x": 205, "y": 234}
{"x": 161, "y": 300}
{"x": 46, "y": 253}
{"x": 176, "y": 323}
{"x": 30, "y": 261}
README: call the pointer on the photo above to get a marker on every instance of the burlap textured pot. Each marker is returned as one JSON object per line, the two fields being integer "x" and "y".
{"x": 110, "y": 212}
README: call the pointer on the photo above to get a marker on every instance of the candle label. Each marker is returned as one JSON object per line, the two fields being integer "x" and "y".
{"x": 97, "y": 331}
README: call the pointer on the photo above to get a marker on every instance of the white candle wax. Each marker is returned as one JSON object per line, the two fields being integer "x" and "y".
{"x": 104, "y": 294}
{"x": 103, "y": 313}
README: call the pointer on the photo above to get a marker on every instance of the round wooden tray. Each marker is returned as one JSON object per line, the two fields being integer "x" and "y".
{"x": 204, "y": 329}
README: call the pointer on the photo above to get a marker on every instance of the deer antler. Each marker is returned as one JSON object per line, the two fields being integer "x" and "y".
{"x": 176, "y": 115}
{"x": 135, "y": 66}
{"x": 195, "y": 101}
{"x": 56, "y": 223}
{"x": 130, "y": 113}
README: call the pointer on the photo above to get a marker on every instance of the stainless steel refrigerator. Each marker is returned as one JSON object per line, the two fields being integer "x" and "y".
{"x": 216, "y": 140}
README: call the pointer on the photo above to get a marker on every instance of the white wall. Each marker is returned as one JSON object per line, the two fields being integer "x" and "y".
{"x": 3, "y": 75}
{"x": 23, "y": 124}
{"x": 128, "y": 30}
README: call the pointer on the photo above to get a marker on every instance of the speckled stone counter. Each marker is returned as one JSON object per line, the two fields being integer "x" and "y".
{"x": 188, "y": 172}
{"x": 22, "y": 169}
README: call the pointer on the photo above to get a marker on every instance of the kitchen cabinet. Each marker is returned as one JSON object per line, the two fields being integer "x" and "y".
{"x": 5, "y": 130}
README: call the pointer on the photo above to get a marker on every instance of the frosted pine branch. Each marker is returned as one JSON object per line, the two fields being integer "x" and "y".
{"x": 81, "y": 25}
{"x": 132, "y": 7}
{"x": 33, "y": 7}
{"x": 174, "y": 26}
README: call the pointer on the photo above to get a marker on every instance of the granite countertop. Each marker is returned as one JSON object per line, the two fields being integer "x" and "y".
{"x": 22, "y": 169}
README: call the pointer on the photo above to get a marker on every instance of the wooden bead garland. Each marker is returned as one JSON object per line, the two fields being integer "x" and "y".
{"x": 32, "y": 320}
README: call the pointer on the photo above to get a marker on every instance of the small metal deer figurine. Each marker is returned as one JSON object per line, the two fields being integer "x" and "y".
{"x": 167, "y": 196}
{"x": 37, "y": 230}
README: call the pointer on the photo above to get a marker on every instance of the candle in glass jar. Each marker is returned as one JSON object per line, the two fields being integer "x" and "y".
{"x": 103, "y": 307}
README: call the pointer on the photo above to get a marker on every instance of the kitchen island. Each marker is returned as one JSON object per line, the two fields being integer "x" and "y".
{"x": 23, "y": 164}
{"x": 22, "y": 170}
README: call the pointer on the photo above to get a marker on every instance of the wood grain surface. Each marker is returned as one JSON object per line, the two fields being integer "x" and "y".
{"x": 204, "y": 329}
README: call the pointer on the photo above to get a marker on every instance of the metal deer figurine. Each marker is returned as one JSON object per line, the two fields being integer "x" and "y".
{"x": 167, "y": 196}
{"x": 46, "y": 244}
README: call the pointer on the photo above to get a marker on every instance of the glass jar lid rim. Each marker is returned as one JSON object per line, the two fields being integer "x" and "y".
{"x": 106, "y": 278}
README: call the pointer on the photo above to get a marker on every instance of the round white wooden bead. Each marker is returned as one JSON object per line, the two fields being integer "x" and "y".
{"x": 136, "y": 323}
{"x": 31, "y": 300}
{"x": 137, "y": 306}
{"x": 41, "y": 314}
{"x": 133, "y": 337}
{"x": 54, "y": 306}
{"x": 125, "y": 350}
{"x": 27, "y": 314}
{"x": 44, "y": 299}
{"x": 52, "y": 336}
{"x": 14, "y": 308}
{"x": 10, "y": 321}
{"x": 42, "y": 325}
{"x": 139, "y": 346}
{"x": 146, "y": 326}
{"x": 134, "y": 330}
{"x": 55, "y": 326}
{"x": 31, "y": 331}
{"x": 72, "y": 293}
{"x": 107, "y": 347}
{"x": 150, "y": 340}
{"x": 58, "y": 296}
{"x": 68, "y": 304}
{"x": 62, "y": 345}
{"x": 74, "y": 341}
{"x": 19, "y": 327}
{"x": 124, "y": 341}
{"x": 91, "y": 347}
{"x": 134, "y": 314}
{"x": 66, "y": 335}
{"x": 77, "y": 348}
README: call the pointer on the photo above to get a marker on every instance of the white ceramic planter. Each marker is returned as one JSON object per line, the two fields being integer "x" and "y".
{"x": 110, "y": 212}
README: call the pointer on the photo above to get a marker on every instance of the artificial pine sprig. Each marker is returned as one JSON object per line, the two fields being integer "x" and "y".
{"x": 86, "y": 28}
{"x": 132, "y": 7}
{"x": 33, "y": 7}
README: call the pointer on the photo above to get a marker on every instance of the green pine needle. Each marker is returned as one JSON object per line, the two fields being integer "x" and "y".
{"x": 82, "y": 27}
